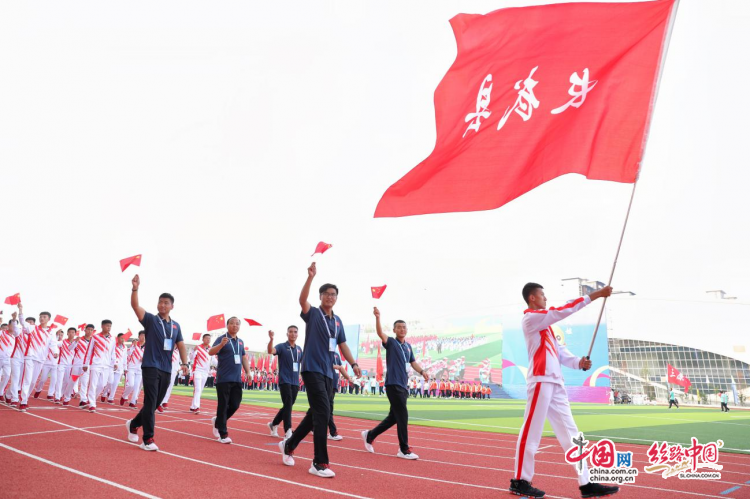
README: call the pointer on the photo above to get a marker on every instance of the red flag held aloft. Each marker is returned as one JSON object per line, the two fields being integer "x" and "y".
{"x": 252, "y": 362}
{"x": 196, "y": 336}
{"x": 13, "y": 300}
{"x": 127, "y": 335}
{"x": 377, "y": 291}
{"x": 82, "y": 326}
{"x": 275, "y": 363}
{"x": 536, "y": 93}
{"x": 215, "y": 322}
{"x": 677, "y": 378}
{"x": 322, "y": 248}
{"x": 379, "y": 365}
{"x": 127, "y": 262}
{"x": 60, "y": 319}
{"x": 253, "y": 323}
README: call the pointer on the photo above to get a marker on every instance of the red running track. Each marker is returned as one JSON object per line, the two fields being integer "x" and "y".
{"x": 54, "y": 451}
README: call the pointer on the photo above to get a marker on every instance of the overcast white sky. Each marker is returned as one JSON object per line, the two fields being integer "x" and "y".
{"x": 224, "y": 140}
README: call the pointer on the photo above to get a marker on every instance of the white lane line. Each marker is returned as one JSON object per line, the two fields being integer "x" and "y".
{"x": 244, "y": 472}
{"x": 81, "y": 473}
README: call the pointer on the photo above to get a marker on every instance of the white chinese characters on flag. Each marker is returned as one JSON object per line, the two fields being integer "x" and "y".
{"x": 677, "y": 378}
{"x": 535, "y": 93}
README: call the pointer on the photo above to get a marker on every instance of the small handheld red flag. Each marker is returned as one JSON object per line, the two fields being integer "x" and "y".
{"x": 60, "y": 319}
{"x": 215, "y": 322}
{"x": 196, "y": 336}
{"x": 82, "y": 326}
{"x": 377, "y": 291}
{"x": 127, "y": 335}
{"x": 322, "y": 248}
{"x": 253, "y": 323}
{"x": 127, "y": 262}
{"x": 13, "y": 300}
{"x": 75, "y": 377}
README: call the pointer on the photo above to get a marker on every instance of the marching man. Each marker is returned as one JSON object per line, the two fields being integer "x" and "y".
{"x": 7, "y": 342}
{"x": 39, "y": 338}
{"x": 547, "y": 398}
{"x": 49, "y": 369}
{"x": 398, "y": 356}
{"x": 133, "y": 379}
{"x": 99, "y": 360}
{"x": 65, "y": 363}
{"x": 76, "y": 372}
{"x": 16, "y": 359}
{"x": 176, "y": 366}
{"x": 201, "y": 366}
{"x": 116, "y": 374}
{"x": 290, "y": 355}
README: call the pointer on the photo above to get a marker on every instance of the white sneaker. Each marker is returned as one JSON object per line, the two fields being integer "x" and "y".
{"x": 225, "y": 440}
{"x": 287, "y": 458}
{"x": 133, "y": 437}
{"x": 364, "y": 439}
{"x": 150, "y": 447}
{"x": 288, "y": 434}
{"x": 408, "y": 455}
{"x": 335, "y": 437}
{"x": 274, "y": 430}
{"x": 213, "y": 425}
{"x": 324, "y": 472}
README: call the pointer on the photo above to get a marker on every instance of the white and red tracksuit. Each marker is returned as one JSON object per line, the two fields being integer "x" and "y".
{"x": 545, "y": 386}
{"x": 175, "y": 372}
{"x": 82, "y": 345}
{"x": 49, "y": 370}
{"x": 201, "y": 366}
{"x": 64, "y": 365}
{"x": 116, "y": 375}
{"x": 39, "y": 340}
{"x": 7, "y": 342}
{"x": 16, "y": 361}
{"x": 99, "y": 360}
{"x": 133, "y": 380}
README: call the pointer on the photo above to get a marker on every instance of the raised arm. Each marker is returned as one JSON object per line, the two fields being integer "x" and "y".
{"x": 378, "y": 327}
{"x": 311, "y": 271}
{"x": 271, "y": 349}
{"x": 139, "y": 311}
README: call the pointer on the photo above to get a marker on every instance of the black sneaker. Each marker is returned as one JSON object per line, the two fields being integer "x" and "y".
{"x": 524, "y": 488}
{"x": 597, "y": 490}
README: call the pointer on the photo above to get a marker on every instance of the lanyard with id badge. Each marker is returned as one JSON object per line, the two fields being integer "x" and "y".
{"x": 167, "y": 339}
{"x": 331, "y": 340}
{"x": 295, "y": 360}
{"x": 236, "y": 353}
{"x": 401, "y": 349}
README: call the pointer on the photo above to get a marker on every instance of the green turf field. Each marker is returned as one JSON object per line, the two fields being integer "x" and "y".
{"x": 629, "y": 424}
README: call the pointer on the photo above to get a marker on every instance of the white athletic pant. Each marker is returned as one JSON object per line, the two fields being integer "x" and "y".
{"x": 31, "y": 371}
{"x": 114, "y": 382}
{"x": 82, "y": 381}
{"x": 63, "y": 373}
{"x": 545, "y": 401}
{"x": 4, "y": 374}
{"x": 48, "y": 370}
{"x": 133, "y": 383}
{"x": 175, "y": 372}
{"x": 16, "y": 372}
{"x": 98, "y": 378}
{"x": 199, "y": 381}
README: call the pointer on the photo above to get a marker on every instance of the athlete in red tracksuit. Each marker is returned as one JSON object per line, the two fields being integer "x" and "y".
{"x": 547, "y": 398}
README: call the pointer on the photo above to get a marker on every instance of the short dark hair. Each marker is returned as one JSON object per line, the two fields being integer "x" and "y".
{"x": 106, "y": 321}
{"x": 3, "y": 324}
{"x": 45, "y": 313}
{"x": 399, "y": 322}
{"x": 233, "y": 317}
{"x": 529, "y": 288}
{"x": 167, "y": 296}
{"x": 205, "y": 335}
{"x": 32, "y": 319}
{"x": 90, "y": 326}
{"x": 142, "y": 333}
{"x": 120, "y": 334}
{"x": 325, "y": 287}
{"x": 72, "y": 329}
{"x": 292, "y": 326}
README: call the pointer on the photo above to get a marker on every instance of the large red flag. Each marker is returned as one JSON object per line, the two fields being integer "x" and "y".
{"x": 274, "y": 364}
{"x": 379, "y": 365}
{"x": 215, "y": 322}
{"x": 13, "y": 300}
{"x": 535, "y": 93}
{"x": 677, "y": 378}
{"x": 252, "y": 362}
{"x": 265, "y": 363}
{"x": 127, "y": 262}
